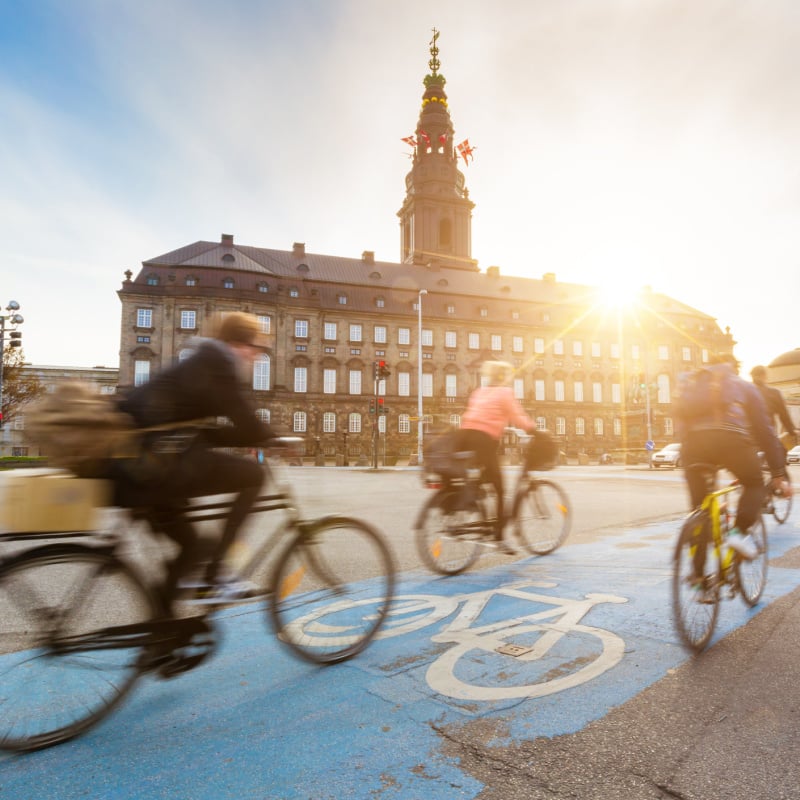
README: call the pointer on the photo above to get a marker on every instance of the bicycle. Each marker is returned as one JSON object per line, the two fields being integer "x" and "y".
{"x": 458, "y": 522}
{"x": 79, "y": 625}
{"x": 775, "y": 502}
{"x": 703, "y": 566}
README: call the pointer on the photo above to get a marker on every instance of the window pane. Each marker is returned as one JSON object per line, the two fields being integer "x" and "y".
{"x": 261, "y": 373}
{"x": 141, "y": 372}
{"x": 299, "y": 421}
{"x": 144, "y": 317}
{"x": 355, "y": 381}
{"x": 329, "y": 381}
{"x": 300, "y": 379}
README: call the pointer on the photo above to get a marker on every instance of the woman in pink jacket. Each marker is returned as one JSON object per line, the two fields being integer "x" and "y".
{"x": 489, "y": 410}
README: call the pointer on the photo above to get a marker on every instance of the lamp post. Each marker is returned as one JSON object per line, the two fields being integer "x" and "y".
{"x": 419, "y": 377}
{"x": 15, "y": 319}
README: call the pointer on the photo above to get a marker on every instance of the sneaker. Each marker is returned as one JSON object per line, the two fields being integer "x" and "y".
{"x": 231, "y": 591}
{"x": 743, "y": 544}
{"x": 505, "y": 548}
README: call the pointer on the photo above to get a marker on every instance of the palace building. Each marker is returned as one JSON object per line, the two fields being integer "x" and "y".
{"x": 600, "y": 379}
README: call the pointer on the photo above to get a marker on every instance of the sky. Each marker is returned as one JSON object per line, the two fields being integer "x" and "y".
{"x": 617, "y": 143}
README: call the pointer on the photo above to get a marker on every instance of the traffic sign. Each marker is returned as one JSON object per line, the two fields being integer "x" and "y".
{"x": 649, "y": 445}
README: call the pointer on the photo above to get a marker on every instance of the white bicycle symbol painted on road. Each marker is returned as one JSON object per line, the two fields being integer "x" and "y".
{"x": 529, "y": 655}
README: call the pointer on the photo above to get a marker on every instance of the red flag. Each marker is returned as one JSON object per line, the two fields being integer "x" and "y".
{"x": 466, "y": 151}
{"x": 410, "y": 140}
{"x": 424, "y": 136}
{"x": 443, "y": 138}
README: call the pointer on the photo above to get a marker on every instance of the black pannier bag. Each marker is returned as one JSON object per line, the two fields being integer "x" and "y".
{"x": 541, "y": 452}
{"x": 440, "y": 455}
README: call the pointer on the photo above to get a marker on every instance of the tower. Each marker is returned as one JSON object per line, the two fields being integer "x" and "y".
{"x": 436, "y": 217}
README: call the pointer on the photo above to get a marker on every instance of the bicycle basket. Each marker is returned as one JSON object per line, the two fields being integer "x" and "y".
{"x": 541, "y": 451}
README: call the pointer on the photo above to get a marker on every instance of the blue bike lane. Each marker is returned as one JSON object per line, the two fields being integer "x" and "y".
{"x": 592, "y": 622}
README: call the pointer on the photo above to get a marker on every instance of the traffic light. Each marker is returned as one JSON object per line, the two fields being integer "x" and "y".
{"x": 642, "y": 384}
{"x": 16, "y": 339}
{"x": 381, "y": 406}
{"x": 372, "y": 405}
{"x": 381, "y": 370}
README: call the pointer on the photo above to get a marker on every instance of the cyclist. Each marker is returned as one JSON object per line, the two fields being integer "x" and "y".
{"x": 209, "y": 383}
{"x": 729, "y": 429}
{"x": 776, "y": 406}
{"x": 489, "y": 409}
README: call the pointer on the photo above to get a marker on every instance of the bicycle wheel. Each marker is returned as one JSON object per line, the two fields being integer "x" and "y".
{"x": 56, "y": 680}
{"x": 448, "y": 539}
{"x": 541, "y": 516}
{"x": 695, "y": 583}
{"x": 334, "y": 566}
{"x": 781, "y": 506}
{"x": 752, "y": 575}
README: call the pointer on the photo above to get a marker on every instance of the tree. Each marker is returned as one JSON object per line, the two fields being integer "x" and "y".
{"x": 20, "y": 386}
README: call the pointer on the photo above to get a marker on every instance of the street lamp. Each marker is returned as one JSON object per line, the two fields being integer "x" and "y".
{"x": 14, "y": 319}
{"x": 419, "y": 377}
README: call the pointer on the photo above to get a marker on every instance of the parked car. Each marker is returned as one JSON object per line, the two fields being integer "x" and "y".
{"x": 793, "y": 456}
{"x": 669, "y": 456}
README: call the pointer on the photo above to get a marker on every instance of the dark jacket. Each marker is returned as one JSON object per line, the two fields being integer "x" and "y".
{"x": 206, "y": 384}
{"x": 776, "y": 406}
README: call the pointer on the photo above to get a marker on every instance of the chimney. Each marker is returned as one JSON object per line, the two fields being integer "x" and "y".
{"x": 368, "y": 256}
{"x": 493, "y": 272}
{"x": 227, "y": 239}
{"x": 299, "y": 249}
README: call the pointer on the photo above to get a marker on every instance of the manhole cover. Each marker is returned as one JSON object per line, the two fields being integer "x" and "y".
{"x": 513, "y": 650}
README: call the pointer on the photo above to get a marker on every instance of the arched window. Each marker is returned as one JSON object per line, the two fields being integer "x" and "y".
{"x": 354, "y": 423}
{"x": 262, "y": 415}
{"x": 299, "y": 419}
{"x": 329, "y": 422}
{"x": 261, "y": 373}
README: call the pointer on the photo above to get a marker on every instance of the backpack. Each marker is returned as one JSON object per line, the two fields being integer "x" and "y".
{"x": 79, "y": 430}
{"x": 708, "y": 394}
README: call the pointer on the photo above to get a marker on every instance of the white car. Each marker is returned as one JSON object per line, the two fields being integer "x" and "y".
{"x": 793, "y": 456}
{"x": 669, "y": 456}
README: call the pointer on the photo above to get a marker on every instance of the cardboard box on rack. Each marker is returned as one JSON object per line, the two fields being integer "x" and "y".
{"x": 50, "y": 501}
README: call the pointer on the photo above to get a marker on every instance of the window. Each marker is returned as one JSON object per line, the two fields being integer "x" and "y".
{"x": 616, "y": 393}
{"x": 404, "y": 424}
{"x": 474, "y": 341}
{"x": 330, "y": 330}
{"x": 355, "y": 381}
{"x": 142, "y": 340}
{"x": 152, "y": 280}
{"x": 558, "y": 347}
{"x": 614, "y": 350}
{"x": 451, "y": 309}
{"x": 516, "y": 344}
{"x": 355, "y": 333}
{"x": 668, "y": 428}
{"x": 541, "y": 423}
{"x": 264, "y": 323}
{"x": 663, "y": 352}
{"x": 596, "y": 350}
{"x": 301, "y": 328}
{"x": 427, "y": 384}
{"x": 484, "y": 312}
{"x": 598, "y": 426}
{"x": 227, "y": 283}
{"x": 144, "y": 317}
{"x": 188, "y": 320}
{"x": 538, "y": 389}
{"x": 404, "y": 384}
{"x": 354, "y": 422}
{"x": 577, "y": 349}
{"x": 342, "y": 299}
{"x": 380, "y": 334}
{"x": 329, "y": 422}
{"x": 704, "y": 356}
{"x": 561, "y": 426}
{"x": 686, "y": 353}
{"x": 427, "y": 337}
{"x": 519, "y": 388}
{"x": 496, "y": 342}
{"x": 184, "y": 353}
{"x": 262, "y": 415}
{"x": 580, "y": 426}
{"x": 299, "y": 422}
{"x": 597, "y": 392}
{"x": 558, "y": 387}
{"x": 635, "y": 352}
{"x": 578, "y": 391}
{"x": 663, "y": 389}
{"x": 450, "y": 386}
{"x": 294, "y": 292}
{"x": 261, "y": 373}
{"x": 141, "y": 372}
{"x": 329, "y": 381}
{"x": 262, "y": 287}
{"x": 404, "y": 336}
{"x": 379, "y": 302}
{"x": 515, "y": 314}
{"x": 455, "y": 420}
{"x": 450, "y": 339}
{"x": 191, "y": 281}
{"x": 538, "y": 345}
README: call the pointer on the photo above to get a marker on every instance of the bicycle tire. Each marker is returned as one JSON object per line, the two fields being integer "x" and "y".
{"x": 542, "y": 515}
{"x": 50, "y": 693}
{"x": 449, "y": 539}
{"x": 331, "y": 566}
{"x": 752, "y": 575}
{"x": 695, "y": 561}
{"x": 781, "y": 507}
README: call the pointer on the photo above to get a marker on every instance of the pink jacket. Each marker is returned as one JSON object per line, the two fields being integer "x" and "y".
{"x": 491, "y": 408}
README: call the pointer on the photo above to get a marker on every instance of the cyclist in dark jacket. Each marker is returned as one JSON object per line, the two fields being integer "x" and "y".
{"x": 209, "y": 383}
{"x": 773, "y": 399}
{"x": 731, "y": 437}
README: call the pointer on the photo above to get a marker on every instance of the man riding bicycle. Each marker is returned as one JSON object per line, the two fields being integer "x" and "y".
{"x": 211, "y": 382}
{"x": 723, "y": 421}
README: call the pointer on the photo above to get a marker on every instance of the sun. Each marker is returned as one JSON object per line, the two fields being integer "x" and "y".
{"x": 620, "y": 296}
